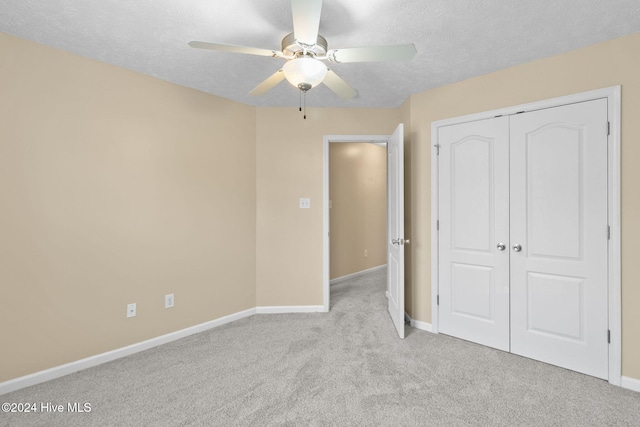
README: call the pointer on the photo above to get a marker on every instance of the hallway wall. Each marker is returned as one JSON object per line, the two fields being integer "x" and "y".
{"x": 358, "y": 214}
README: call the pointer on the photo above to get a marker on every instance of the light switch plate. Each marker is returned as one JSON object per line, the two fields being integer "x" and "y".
{"x": 305, "y": 203}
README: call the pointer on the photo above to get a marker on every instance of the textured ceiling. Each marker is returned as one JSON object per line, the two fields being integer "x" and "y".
{"x": 455, "y": 39}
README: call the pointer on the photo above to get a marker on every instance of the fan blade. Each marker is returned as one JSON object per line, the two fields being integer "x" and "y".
{"x": 271, "y": 82}
{"x": 236, "y": 49}
{"x": 339, "y": 86}
{"x": 306, "y": 20}
{"x": 373, "y": 53}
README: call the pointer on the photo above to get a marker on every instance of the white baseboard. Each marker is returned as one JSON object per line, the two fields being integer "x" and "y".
{"x": 290, "y": 309}
{"x": 359, "y": 273}
{"x": 89, "y": 362}
{"x": 630, "y": 383}
{"x": 423, "y": 326}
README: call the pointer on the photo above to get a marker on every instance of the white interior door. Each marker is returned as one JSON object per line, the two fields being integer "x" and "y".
{"x": 474, "y": 231}
{"x": 559, "y": 311}
{"x": 395, "y": 227}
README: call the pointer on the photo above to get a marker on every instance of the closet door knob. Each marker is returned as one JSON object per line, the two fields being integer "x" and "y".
{"x": 501, "y": 246}
{"x": 517, "y": 247}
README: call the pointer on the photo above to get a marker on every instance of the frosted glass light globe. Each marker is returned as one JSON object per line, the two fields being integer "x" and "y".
{"x": 304, "y": 72}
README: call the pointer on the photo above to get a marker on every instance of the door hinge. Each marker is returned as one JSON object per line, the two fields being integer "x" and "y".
{"x": 437, "y": 299}
{"x": 609, "y": 336}
{"x": 608, "y": 128}
{"x": 437, "y": 149}
{"x": 437, "y": 224}
{"x": 608, "y": 232}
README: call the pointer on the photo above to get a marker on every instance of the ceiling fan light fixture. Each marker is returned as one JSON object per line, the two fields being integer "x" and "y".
{"x": 305, "y": 72}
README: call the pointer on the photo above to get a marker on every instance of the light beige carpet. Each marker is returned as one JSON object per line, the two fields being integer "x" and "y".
{"x": 344, "y": 368}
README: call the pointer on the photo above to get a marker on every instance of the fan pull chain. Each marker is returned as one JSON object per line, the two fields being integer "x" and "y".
{"x": 303, "y": 103}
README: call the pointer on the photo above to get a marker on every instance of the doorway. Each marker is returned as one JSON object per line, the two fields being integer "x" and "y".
{"x": 395, "y": 219}
{"x": 335, "y": 139}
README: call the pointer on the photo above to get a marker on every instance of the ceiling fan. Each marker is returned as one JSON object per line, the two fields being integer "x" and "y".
{"x": 305, "y": 49}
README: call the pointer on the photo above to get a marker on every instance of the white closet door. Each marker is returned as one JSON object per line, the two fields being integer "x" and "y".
{"x": 474, "y": 220}
{"x": 559, "y": 219}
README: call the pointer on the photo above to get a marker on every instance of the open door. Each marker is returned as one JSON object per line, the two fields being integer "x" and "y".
{"x": 395, "y": 227}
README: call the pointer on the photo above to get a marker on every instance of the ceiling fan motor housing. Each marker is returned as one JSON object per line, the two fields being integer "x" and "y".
{"x": 293, "y": 48}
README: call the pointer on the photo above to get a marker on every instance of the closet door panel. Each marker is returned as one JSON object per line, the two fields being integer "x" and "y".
{"x": 558, "y": 203}
{"x": 474, "y": 209}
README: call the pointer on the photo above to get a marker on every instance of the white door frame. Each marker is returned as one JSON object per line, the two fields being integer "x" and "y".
{"x": 613, "y": 95}
{"x": 327, "y": 139}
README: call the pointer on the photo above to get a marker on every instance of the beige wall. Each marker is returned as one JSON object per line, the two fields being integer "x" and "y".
{"x": 289, "y": 166}
{"x": 358, "y": 215}
{"x": 607, "y": 64}
{"x": 115, "y": 188}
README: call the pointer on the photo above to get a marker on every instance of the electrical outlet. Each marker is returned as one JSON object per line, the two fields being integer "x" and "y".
{"x": 168, "y": 301}
{"x": 366, "y": 253}
{"x": 131, "y": 310}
